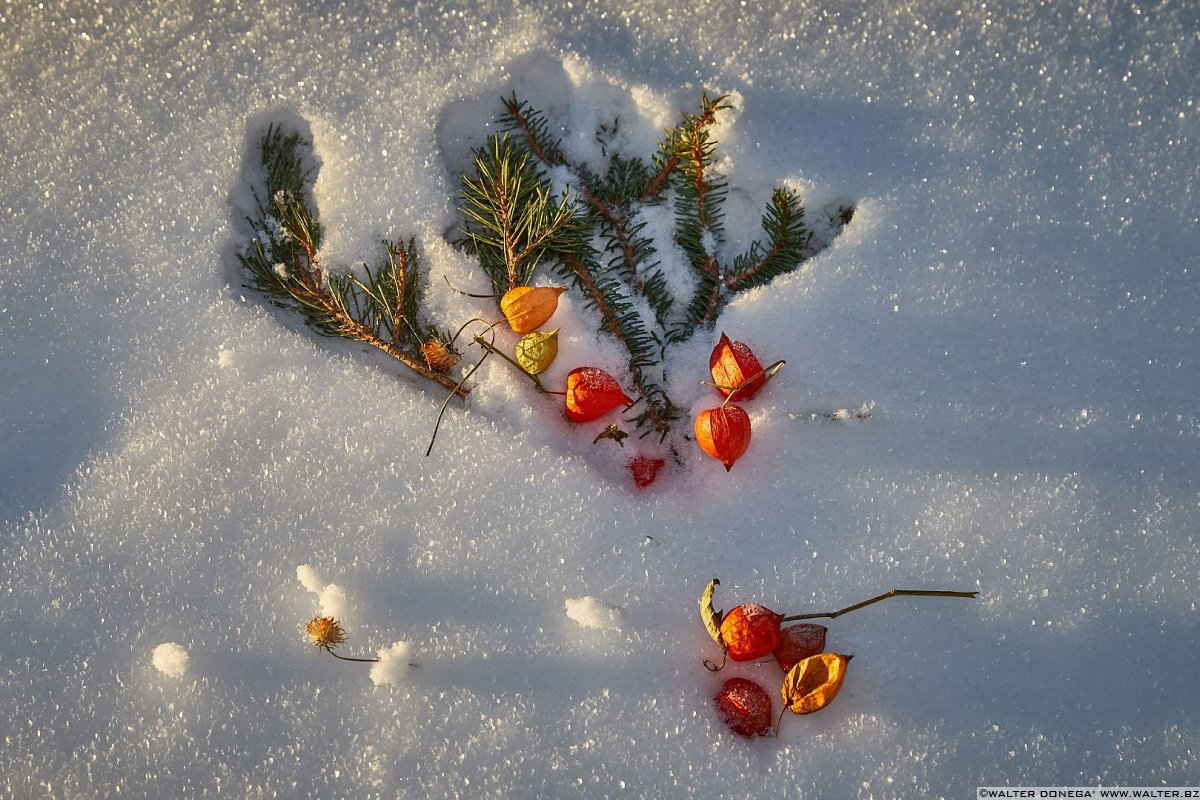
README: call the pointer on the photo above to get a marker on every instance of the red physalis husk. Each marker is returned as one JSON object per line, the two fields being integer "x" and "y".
{"x": 724, "y": 433}
{"x": 592, "y": 393}
{"x": 750, "y": 631}
{"x": 645, "y": 469}
{"x": 527, "y": 308}
{"x": 732, "y": 364}
{"x": 745, "y": 706}
{"x": 798, "y": 642}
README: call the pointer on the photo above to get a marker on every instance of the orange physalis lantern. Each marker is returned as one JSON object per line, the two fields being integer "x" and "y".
{"x": 592, "y": 393}
{"x": 750, "y": 631}
{"x": 814, "y": 682}
{"x": 732, "y": 364}
{"x": 724, "y": 433}
{"x": 527, "y": 308}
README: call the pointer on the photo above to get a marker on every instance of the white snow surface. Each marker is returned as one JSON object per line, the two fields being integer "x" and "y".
{"x": 171, "y": 659}
{"x": 1017, "y": 296}
{"x": 591, "y": 612}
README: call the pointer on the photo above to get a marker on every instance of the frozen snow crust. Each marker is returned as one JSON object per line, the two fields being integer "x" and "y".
{"x": 1017, "y": 296}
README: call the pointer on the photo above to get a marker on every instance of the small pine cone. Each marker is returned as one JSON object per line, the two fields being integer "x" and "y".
{"x": 439, "y": 355}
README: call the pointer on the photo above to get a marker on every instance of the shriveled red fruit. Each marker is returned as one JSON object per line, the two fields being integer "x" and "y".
{"x": 592, "y": 393}
{"x": 645, "y": 469}
{"x": 733, "y": 363}
{"x": 724, "y": 433}
{"x": 798, "y": 642}
{"x": 745, "y": 706}
{"x": 750, "y": 631}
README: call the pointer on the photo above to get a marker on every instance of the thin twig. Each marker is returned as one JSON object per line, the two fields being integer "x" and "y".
{"x": 348, "y": 658}
{"x": 879, "y": 598}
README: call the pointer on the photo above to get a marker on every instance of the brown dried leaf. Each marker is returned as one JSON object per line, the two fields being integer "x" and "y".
{"x": 814, "y": 682}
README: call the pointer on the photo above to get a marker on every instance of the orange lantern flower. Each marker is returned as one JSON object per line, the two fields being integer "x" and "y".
{"x": 527, "y": 308}
{"x": 750, "y": 631}
{"x": 592, "y": 393}
{"x": 724, "y": 433}
{"x": 813, "y": 683}
{"x": 732, "y": 364}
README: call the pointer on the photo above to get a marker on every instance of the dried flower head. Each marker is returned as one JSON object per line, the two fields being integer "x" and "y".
{"x": 325, "y": 632}
{"x": 439, "y": 355}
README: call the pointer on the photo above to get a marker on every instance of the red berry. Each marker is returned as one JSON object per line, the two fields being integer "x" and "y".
{"x": 745, "y": 706}
{"x": 798, "y": 642}
{"x": 750, "y": 631}
{"x": 645, "y": 470}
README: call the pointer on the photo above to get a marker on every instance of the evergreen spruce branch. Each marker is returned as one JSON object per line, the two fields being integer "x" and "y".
{"x": 699, "y": 213}
{"x": 672, "y": 149}
{"x": 708, "y": 300}
{"x": 394, "y": 291}
{"x": 620, "y": 319}
{"x": 784, "y": 226}
{"x": 511, "y": 219}
{"x": 282, "y": 260}
{"x": 534, "y": 130}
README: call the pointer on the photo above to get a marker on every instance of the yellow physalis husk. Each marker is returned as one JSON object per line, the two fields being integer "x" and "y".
{"x": 439, "y": 355}
{"x": 325, "y": 632}
{"x": 527, "y": 308}
{"x": 814, "y": 682}
{"x": 537, "y": 350}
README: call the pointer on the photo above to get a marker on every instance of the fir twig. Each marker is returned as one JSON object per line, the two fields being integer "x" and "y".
{"x": 511, "y": 218}
{"x": 606, "y": 214}
{"x": 282, "y": 263}
{"x": 783, "y": 224}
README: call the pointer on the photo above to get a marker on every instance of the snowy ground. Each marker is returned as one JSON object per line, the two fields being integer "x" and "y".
{"x": 1017, "y": 295}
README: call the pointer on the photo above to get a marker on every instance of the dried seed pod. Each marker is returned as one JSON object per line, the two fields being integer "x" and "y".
{"x": 325, "y": 632}
{"x": 537, "y": 350}
{"x": 745, "y": 706}
{"x": 750, "y": 631}
{"x": 814, "y": 682}
{"x": 798, "y": 642}
{"x": 439, "y": 355}
{"x": 732, "y": 364}
{"x": 592, "y": 393}
{"x": 724, "y": 433}
{"x": 527, "y": 308}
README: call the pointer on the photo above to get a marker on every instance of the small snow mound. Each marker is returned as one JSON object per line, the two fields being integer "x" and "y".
{"x": 310, "y": 579}
{"x": 392, "y": 665}
{"x": 225, "y": 358}
{"x": 588, "y": 612}
{"x": 171, "y": 659}
{"x": 333, "y": 600}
